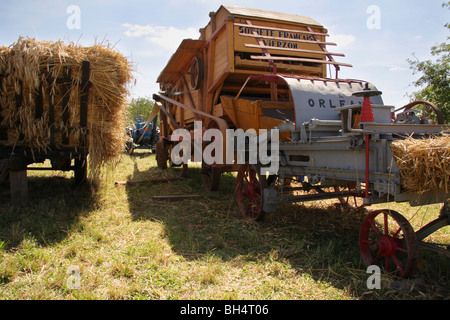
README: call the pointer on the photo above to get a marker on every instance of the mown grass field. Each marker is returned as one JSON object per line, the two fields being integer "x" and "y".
{"x": 128, "y": 246}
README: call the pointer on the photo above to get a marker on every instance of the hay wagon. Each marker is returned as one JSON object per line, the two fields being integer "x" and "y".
{"x": 260, "y": 71}
{"x": 59, "y": 102}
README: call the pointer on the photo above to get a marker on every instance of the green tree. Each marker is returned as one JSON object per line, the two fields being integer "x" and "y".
{"x": 141, "y": 106}
{"x": 435, "y": 82}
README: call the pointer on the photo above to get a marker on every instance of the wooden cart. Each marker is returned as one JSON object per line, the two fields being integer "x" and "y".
{"x": 66, "y": 151}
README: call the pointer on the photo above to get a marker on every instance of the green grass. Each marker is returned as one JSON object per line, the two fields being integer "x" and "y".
{"x": 129, "y": 246}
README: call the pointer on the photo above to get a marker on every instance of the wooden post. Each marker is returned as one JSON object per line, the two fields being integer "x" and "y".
{"x": 18, "y": 186}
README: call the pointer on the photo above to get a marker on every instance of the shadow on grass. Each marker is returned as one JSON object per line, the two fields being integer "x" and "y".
{"x": 313, "y": 241}
{"x": 54, "y": 206}
{"x": 321, "y": 240}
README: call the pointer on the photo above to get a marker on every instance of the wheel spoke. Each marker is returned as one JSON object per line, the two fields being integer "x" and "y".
{"x": 246, "y": 178}
{"x": 386, "y": 224}
{"x": 249, "y": 192}
{"x": 250, "y": 173}
{"x": 402, "y": 250}
{"x": 375, "y": 228}
{"x": 398, "y": 264}
{"x": 397, "y": 232}
{"x": 247, "y": 209}
{"x": 394, "y": 238}
{"x": 376, "y": 258}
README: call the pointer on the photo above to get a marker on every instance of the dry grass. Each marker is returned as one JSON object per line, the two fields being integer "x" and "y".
{"x": 129, "y": 246}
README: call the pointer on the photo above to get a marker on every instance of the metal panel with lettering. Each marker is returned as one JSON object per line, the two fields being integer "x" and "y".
{"x": 318, "y": 99}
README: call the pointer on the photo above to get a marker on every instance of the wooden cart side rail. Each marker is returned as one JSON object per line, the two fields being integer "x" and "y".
{"x": 336, "y": 65}
{"x": 294, "y": 50}
{"x": 223, "y": 125}
{"x": 277, "y": 58}
{"x": 290, "y": 40}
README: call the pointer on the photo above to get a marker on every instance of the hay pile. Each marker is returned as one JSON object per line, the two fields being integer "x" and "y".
{"x": 29, "y": 67}
{"x": 424, "y": 164}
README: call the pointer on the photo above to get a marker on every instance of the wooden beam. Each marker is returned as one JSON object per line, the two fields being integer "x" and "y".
{"x": 289, "y": 39}
{"x": 137, "y": 182}
{"x": 18, "y": 186}
{"x": 300, "y": 60}
{"x": 295, "y": 50}
{"x": 177, "y": 197}
{"x": 281, "y": 29}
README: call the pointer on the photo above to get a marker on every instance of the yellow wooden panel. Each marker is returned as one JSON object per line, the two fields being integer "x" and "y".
{"x": 277, "y": 38}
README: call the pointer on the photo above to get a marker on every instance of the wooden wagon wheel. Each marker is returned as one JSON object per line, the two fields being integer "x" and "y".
{"x": 196, "y": 73}
{"x": 249, "y": 191}
{"x": 387, "y": 238}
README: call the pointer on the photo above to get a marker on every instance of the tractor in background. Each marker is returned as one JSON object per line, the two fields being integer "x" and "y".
{"x": 143, "y": 135}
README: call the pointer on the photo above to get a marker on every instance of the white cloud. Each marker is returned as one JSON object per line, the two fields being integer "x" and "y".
{"x": 397, "y": 68}
{"x": 167, "y": 38}
{"x": 342, "y": 40}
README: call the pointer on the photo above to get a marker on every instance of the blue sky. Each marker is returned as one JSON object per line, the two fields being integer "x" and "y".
{"x": 148, "y": 32}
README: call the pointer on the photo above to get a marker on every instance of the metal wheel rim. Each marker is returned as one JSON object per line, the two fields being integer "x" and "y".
{"x": 394, "y": 244}
{"x": 249, "y": 191}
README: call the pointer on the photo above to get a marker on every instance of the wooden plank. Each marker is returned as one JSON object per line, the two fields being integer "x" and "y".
{"x": 177, "y": 197}
{"x": 329, "y": 56}
{"x": 39, "y": 102}
{"x": 3, "y": 130}
{"x": 18, "y": 186}
{"x": 51, "y": 108}
{"x": 283, "y": 29}
{"x": 262, "y": 66}
{"x": 138, "y": 182}
{"x": 67, "y": 81}
{"x": 300, "y": 60}
{"x": 230, "y": 45}
{"x": 85, "y": 85}
{"x": 290, "y": 39}
{"x": 237, "y": 11}
{"x": 294, "y": 50}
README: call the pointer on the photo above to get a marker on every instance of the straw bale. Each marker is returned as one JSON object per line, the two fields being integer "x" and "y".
{"x": 28, "y": 64}
{"x": 424, "y": 164}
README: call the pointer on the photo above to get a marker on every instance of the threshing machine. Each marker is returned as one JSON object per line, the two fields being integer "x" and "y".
{"x": 260, "y": 70}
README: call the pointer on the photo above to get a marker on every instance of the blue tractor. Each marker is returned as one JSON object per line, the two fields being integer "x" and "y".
{"x": 143, "y": 135}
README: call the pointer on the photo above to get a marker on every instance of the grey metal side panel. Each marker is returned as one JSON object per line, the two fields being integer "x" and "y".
{"x": 317, "y": 99}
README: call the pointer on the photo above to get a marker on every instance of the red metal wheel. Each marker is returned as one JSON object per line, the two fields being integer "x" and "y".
{"x": 350, "y": 202}
{"x": 249, "y": 191}
{"x": 428, "y": 109}
{"x": 387, "y": 238}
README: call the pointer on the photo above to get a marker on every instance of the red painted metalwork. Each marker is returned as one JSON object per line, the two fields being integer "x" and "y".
{"x": 250, "y": 185}
{"x": 391, "y": 239}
